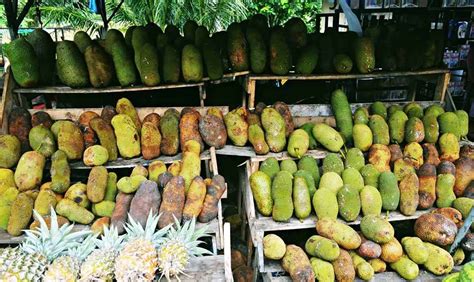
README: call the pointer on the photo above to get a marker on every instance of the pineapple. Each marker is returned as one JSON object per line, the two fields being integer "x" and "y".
{"x": 181, "y": 244}
{"x": 67, "y": 266}
{"x": 138, "y": 260}
{"x": 41, "y": 246}
{"x": 99, "y": 265}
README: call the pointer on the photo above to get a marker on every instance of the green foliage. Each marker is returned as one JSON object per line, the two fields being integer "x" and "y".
{"x": 280, "y": 11}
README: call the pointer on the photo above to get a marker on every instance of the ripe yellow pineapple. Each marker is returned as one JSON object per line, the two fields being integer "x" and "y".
{"x": 180, "y": 244}
{"x": 40, "y": 247}
{"x": 99, "y": 265}
{"x": 138, "y": 260}
{"x": 66, "y": 267}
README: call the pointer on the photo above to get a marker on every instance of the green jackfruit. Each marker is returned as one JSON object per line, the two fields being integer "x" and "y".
{"x": 354, "y": 159}
{"x": 307, "y": 59}
{"x": 431, "y": 127}
{"x": 413, "y": 110}
{"x": 349, "y": 202}
{"x": 449, "y": 123}
{"x": 273, "y": 247}
{"x": 364, "y": 54}
{"x": 361, "y": 116}
{"x": 10, "y": 149}
{"x": 342, "y": 63}
{"x": 378, "y": 108}
{"x": 448, "y": 147}
{"x": 309, "y": 180}
{"x": 148, "y": 64}
{"x": 371, "y": 201}
{"x": 42, "y": 140}
{"x": 388, "y": 187}
{"x": 60, "y": 172}
{"x": 212, "y": 59}
{"x": 70, "y": 65}
{"x": 288, "y": 165}
{"x": 406, "y": 268}
{"x": 308, "y": 127}
{"x": 325, "y": 203}
{"x": 333, "y": 162}
{"x": 379, "y": 129}
{"x": 298, "y": 143}
{"x": 343, "y": 114}
{"x": 439, "y": 261}
{"x": 363, "y": 137}
{"x": 324, "y": 248}
{"x": 282, "y": 186}
{"x": 444, "y": 190}
{"x": 370, "y": 175}
{"x": 74, "y": 212}
{"x": 20, "y": 215}
{"x": 326, "y": 53}
{"x": 343, "y": 234}
{"x": 396, "y": 123}
{"x": 111, "y": 189}
{"x": 463, "y": 205}
{"x": 393, "y": 109}
{"x": 415, "y": 249}
{"x": 323, "y": 270}
{"x": 308, "y": 163}
{"x": 201, "y": 34}
{"x": 352, "y": 177}
{"x": 237, "y": 48}
{"x": 301, "y": 198}
{"x": 171, "y": 64}
{"x": 280, "y": 54}
{"x": 6, "y": 201}
{"x": 82, "y": 40}
{"x": 328, "y": 137}
{"x": 192, "y": 64}
{"x": 377, "y": 229}
{"x": 331, "y": 181}
{"x": 123, "y": 60}
{"x": 275, "y": 129}
{"x": 44, "y": 47}
{"x": 261, "y": 186}
{"x": 128, "y": 140}
{"x": 435, "y": 110}
{"x": 169, "y": 128}
{"x": 463, "y": 120}
{"x": 270, "y": 166}
{"x": 258, "y": 49}
{"x": 100, "y": 66}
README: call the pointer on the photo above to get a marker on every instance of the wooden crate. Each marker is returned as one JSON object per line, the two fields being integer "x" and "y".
{"x": 443, "y": 77}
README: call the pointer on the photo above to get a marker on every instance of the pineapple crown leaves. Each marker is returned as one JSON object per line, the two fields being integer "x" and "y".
{"x": 136, "y": 231}
{"x": 110, "y": 240}
{"x": 189, "y": 236}
{"x": 51, "y": 242}
{"x": 82, "y": 250}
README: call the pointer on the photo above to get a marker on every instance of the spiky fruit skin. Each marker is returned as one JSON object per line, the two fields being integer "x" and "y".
{"x": 173, "y": 258}
{"x": 64, "y": 268}
{"x": 16, "y": 265}
{"x": 138, "y": 261}
{"x": 99, "y": 266}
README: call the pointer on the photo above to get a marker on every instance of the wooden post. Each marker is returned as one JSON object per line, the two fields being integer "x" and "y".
{"x": 251, "y": 85}
{"x": 442, "y": 86}
{"x": 227, "y": 253}
{"x": 7, "y": 101}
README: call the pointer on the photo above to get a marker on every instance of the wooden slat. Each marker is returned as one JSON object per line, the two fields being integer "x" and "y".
{"x": 64, "y": 90}
{"x": 228, "y": 77}
{"x": 268, "y": 224}
{"x": 5, "y": 238}
{"x": 389, "y": 276}
{"x": 6, "y": 101}
{"x": 227, "y": 253}
{"x": 381, "y": 74}
{"x": 204, "y": 269}
{"x": 130, "y": 163}
{"x": 74, "y": 113}
{"x": 248, "y": 152}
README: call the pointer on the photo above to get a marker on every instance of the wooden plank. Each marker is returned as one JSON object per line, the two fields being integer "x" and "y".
{"x": 6, "y": 101}
{"x": 228, "y": 77}
{"x": 64, "y": 90}
{"x": 373, "y": 75}
{"x": 227, "y": 253}
{"x": 248, "y": 152}
{"x": 130, "y": 163}
{"x": 204, "y": 269}
{"x": 5, "y": 238}
{"x": 274, "y": 272}
{"x": 74, "y": 113}
{"x": 442, "y": 86}
{"x": 262, "y": 223}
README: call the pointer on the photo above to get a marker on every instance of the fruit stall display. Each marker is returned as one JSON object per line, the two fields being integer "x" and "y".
{"x": 340, "y": 165}
{"x": 406, "y": 160}
{"x": 80, "y": 161}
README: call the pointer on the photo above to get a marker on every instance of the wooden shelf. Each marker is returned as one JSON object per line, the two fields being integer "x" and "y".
{"x": 272, "y": 266}
{"x": 5, "y": 238}
{"x": 264, "y": 224}
{"x": 130, "y": 163}
{"x": 228, "y": 77}
{"x": 247, "y": 151}
{"x": 373, "y": 75}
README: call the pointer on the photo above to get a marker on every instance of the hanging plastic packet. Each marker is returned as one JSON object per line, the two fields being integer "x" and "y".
{"x": 352, "y": 20}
